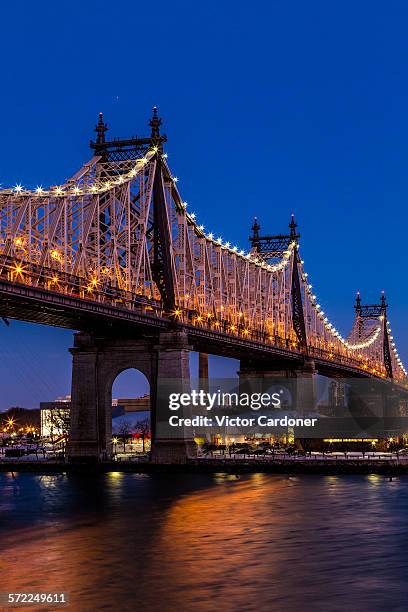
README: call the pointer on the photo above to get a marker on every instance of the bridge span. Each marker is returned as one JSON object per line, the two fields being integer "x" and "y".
{"x": 115, "y": 254}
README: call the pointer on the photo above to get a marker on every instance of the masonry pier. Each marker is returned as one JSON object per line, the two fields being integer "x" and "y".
{"x": 299, "y": 379}
{"x": 96, "y": 362}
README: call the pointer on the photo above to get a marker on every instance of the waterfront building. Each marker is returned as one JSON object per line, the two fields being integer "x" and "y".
{"x": 54, "y": 416}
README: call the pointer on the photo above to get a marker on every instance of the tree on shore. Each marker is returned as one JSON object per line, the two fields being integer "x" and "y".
{"x": 143, "y": 429}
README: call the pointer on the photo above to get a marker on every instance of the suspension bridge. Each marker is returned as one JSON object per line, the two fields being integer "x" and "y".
{"x": 115, "y": 254}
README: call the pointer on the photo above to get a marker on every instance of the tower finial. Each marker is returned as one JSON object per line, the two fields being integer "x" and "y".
{"x": 155, "y": 123}
{"x": 254, "y": 238}
{"x": 358, "y": 303}
{"x": 100, "y": 129}
{"x": 383, "y": 301}
{"x": 292, "y": 227}
{"x": 255, "y": 228}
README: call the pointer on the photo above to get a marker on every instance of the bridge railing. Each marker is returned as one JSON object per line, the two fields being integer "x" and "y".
{"x": 334, "y": 357}
{"x": 35, "y": 275}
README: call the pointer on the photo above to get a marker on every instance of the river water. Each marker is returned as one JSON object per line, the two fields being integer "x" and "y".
{"x": 204, "y": 543}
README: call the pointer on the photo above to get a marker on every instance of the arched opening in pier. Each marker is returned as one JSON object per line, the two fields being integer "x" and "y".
{"x": 131, "y": 429}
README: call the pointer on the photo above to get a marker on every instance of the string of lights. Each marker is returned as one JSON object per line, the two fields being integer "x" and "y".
{"x": 234, "y": 250}
{"x": 329, "y": 327}
{"x": 70, "y": 189}
{"x": 89, "y": 184}
{"x": 394, "y": 349}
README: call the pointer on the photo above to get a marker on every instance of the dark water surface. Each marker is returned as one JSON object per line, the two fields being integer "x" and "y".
{"x": 199, "y": 542}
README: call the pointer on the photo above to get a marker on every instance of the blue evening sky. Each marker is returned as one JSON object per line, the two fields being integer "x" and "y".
{"x": 270, "y": 107}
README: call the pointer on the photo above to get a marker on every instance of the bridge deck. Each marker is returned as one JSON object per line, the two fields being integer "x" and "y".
{"x": 38, "y": 305}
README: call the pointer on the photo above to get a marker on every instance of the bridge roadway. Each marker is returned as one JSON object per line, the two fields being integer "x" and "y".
{"x": 39, "y": 305}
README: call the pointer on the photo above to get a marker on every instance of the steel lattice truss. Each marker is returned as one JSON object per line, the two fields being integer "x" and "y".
{"x": 119, "y": 232}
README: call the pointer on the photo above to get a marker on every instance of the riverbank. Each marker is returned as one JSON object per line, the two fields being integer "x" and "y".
{"x": 213, "y": 465}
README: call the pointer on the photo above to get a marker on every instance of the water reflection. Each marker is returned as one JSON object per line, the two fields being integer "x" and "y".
{"x": 254, "y": 542}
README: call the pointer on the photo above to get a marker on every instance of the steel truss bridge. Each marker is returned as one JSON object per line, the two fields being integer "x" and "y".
{"x": 116, "y": 247}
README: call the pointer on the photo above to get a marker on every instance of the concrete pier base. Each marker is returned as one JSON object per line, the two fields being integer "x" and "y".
{"x": 96, "y": 362}
{"x": 166, "y": 451}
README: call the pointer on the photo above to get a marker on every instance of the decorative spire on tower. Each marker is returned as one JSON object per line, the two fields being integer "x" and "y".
{"x": 358, "y": 303}
{"x": 255, "y": 228}
{"x": 358, "y": 315}
{"x": 273, "y": 247}
{"x": 155, "y": 123}
{"x": 121, "y": 149}
{"x": 383, "y": 302}
{"x": 255, "y": 234}
{"x": 292, "y": 227}
{"x": 100, "y": 129}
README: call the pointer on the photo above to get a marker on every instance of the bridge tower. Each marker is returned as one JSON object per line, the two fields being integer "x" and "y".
{"x": 301, "y": 371}
{"x": 365, "y": 315}
{"x": 99, "y": 355}
{"x": 382, "y": 399}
